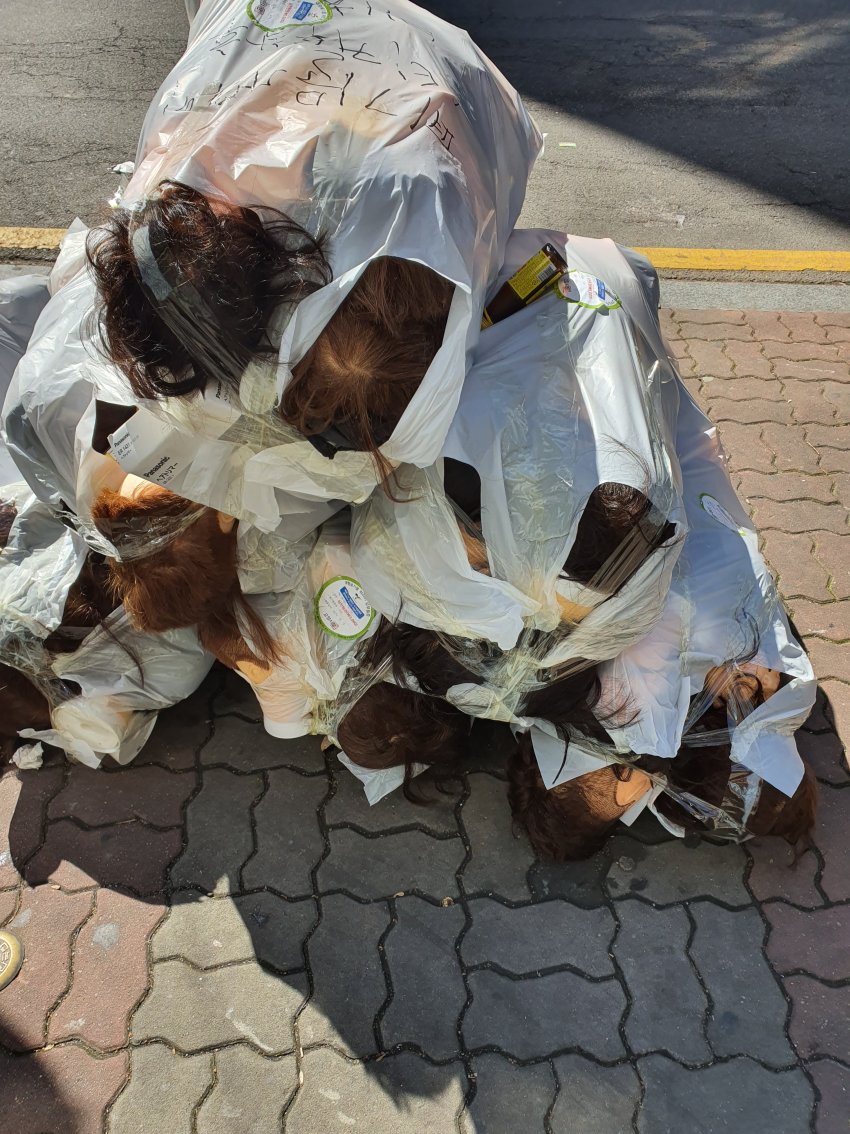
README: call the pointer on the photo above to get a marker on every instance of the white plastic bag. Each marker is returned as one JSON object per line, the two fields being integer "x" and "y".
{"x": 559, "y": 399}
{"x": 384, "y": 127}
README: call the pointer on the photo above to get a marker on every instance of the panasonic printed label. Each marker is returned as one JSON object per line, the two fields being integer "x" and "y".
{"x": 152, "y": 450}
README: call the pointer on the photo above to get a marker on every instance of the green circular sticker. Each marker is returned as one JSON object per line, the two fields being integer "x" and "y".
{"x": 275, "y": 15}
{"x": 342, "y": 610}
{"x": 587, "y": 291}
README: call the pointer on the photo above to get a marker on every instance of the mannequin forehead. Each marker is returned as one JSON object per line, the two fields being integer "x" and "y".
{"x": 134, "y": 488}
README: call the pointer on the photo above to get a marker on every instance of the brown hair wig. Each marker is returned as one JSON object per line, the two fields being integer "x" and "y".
{"x": 191, "y": 580}
{"x": 571, "y": 821}
{"x": 390, "y": 727}
{"x": 242, "y": 263}
{"x": 705, "y": 771}
{"x": 368, "y": 362}
{"x": 617, "y": 521}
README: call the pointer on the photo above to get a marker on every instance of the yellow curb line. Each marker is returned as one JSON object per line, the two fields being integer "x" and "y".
{"x": 689, "y": 259}
{"x": 29, "y": 239}
{"x": 747, "y": 259}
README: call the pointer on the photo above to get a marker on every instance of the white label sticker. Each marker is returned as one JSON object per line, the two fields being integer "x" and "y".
{"x": 342, "y": 610}
{"x": 218, "y": 403}
{"x": 717, "y": 512}
{"x": 587, "y": 291}
{"x": 274, "y": 15}
{"x": 152, "y": 450}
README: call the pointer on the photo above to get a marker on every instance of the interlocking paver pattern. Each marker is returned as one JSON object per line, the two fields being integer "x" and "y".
{"x": 224, "y": 938}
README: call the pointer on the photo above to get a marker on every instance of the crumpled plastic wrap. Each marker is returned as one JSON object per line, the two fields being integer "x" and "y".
{"x": 381, "y": 125}
{"x": 558, "y": 400}
{"x": 399, "y": 139}
{"x": 125, "y": 676}
{"x": 300, "y": 696}
{"x": 704, "y": 601}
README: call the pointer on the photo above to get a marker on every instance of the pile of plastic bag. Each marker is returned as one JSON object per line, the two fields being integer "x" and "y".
{"x": 387, "y": 129}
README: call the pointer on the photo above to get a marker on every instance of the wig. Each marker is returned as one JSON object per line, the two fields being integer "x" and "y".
{"x": 241, "y": 265}
{"x": 190, "y": 580}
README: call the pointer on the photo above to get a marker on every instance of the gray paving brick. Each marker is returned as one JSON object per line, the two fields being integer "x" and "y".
{"x": 217, "y": 931}
{"x": 580, "y": 883}
{"x": 812, "y": 940}
{"x": 379, "y": 868}
{"x": 247, "y": 747}
{"x": 727, "y": 1098}
{"x": 278, "y": 928}
{"x": 400, "y": 1095}
{"x": 218, "y": 828}
{"x": 833, "y": 1084}
{"x": 162, "y": 1090}
{"x": 676, "y": 871}
{"x": 776, "y": 872}
{"x": 205, "y": 931}
{"x": 348, "y": 979}
{"x": 194, "y": 1010}
{"x": 236, "y": 696}
{"x": 749, "y": 1011}
{"x": 428, "y": 988}
{"x": 509, "y": 1098}
{"x": 289, "y": 841}
{"x": 535, "y": 1017}
{"x": 349, "y": 805}
{"x": 820, "y": 1017}
{"x": 500, "y": 862}
{"x": 181, "y": 730}
{"x": 541, "y": 936}
{"x": 249, "y": 1095}
{"x": 594, "y": 1099}
{"x": 668, "y": 1004}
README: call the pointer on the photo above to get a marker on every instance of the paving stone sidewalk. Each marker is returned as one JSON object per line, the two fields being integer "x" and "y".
{"x": 224, "y": 938}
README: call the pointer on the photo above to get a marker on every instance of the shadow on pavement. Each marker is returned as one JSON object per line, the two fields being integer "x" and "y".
{"x": 750, "y": 91}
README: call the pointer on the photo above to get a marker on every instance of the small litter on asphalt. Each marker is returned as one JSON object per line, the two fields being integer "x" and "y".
{"x": 29, "y": 757}
{"x": 567, "y": 145}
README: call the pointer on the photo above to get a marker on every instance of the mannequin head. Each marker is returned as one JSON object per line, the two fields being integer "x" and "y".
{"x": 571, "y": 821}
{"x": 366, "y": 365}
{"x": 390, "y": 727}
{"x": 190, "y": 579}
{"x": 240, "y": 267}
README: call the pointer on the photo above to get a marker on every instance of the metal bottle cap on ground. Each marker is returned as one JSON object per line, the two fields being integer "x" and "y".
{"x": 11, "y": 957}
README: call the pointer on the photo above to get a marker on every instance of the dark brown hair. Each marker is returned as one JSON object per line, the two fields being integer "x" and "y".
{"x": 243, "y": 264}
{"x": 191, "y": 580}
{"x": 568, "y": 822}
{"x": 369, "y": 360}
{"x": 705, "y": 771}
{"x": 390, "y": 727}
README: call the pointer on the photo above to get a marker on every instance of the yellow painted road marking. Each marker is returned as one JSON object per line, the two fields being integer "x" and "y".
{"x": 748, "y": 259}
{"x": 29, "y": 239}
{"x": 691, "y": 259}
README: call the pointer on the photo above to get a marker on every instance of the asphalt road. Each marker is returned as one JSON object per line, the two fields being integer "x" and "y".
{"x": 705, "y": 126}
